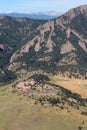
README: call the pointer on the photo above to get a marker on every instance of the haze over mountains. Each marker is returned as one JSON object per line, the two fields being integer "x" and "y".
{"x": 39, "y": 15}
{"x": 56, "y": 46}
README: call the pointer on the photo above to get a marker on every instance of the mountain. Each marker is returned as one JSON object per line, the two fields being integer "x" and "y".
{"x": 39, "y": 15}
{"x": 58, "y": 46}
{"x": 12, "y": 32}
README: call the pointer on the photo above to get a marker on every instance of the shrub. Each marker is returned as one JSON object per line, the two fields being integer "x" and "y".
{"x": 84, "y": 113}
{"x": 80, "y": 128}
{"x": 40, "y": 77}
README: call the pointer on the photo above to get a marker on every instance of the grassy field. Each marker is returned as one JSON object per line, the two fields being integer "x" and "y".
{"x": 75, "y": 85}
{"x": 18, "y": 112}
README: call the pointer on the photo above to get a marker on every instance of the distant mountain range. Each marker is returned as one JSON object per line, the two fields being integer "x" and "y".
{"x": 38, "y": 15}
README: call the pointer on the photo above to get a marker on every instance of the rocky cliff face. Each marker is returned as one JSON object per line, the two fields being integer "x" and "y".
{"x": 61, "y": 42}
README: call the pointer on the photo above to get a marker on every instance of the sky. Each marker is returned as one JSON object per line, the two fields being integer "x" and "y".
{"x": 30, "y": 6}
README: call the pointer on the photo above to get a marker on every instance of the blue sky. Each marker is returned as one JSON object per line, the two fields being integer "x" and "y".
{"x": 28, "y": 6}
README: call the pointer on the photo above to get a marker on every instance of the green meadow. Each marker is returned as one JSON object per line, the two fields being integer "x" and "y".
{"x": 19, "y": 112}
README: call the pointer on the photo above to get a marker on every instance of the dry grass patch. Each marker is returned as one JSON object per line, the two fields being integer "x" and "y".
{"x": 74, "y": 85}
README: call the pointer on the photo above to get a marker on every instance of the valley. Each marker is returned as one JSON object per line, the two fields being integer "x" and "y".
{"x": 43, "y": 72}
